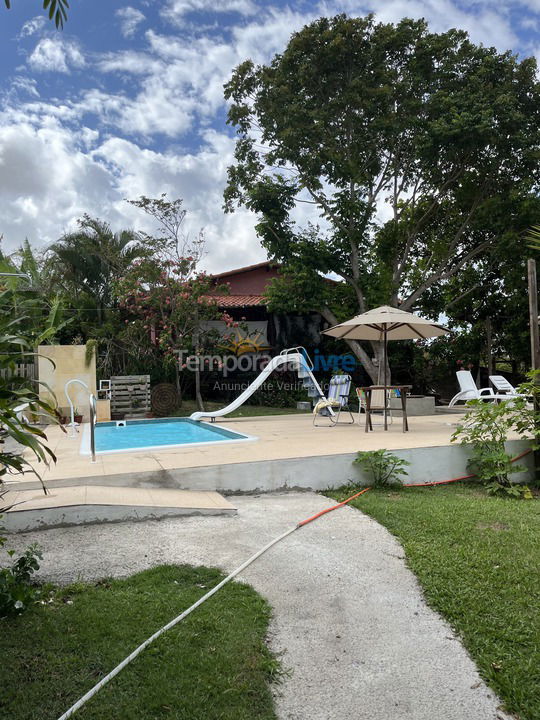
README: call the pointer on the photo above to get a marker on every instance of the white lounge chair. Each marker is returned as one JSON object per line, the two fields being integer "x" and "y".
{"x": 503, "y": 387}
{"x": 469, "y": 391}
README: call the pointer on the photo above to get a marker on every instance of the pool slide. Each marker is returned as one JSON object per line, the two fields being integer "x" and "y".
{"x": 298, "y": 361}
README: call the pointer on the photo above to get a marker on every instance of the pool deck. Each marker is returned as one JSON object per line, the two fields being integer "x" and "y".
{"x": 82, "y": 504}
{"x": 278, "y": 437}
{"x": 287, "y": 453}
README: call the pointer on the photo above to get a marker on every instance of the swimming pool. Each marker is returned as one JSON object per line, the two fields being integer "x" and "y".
{"x": 155, "y": 434}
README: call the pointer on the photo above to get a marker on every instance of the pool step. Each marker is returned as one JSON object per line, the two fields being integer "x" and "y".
{"x": 83, "y": 504}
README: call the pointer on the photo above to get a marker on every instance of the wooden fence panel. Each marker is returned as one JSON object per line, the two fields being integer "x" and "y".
{"x": 130, "y": 395}
{"x": 25, "y": 370}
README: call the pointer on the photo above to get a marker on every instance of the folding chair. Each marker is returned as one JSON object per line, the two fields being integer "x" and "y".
{"x": 337, "y": 399}
{"x": 377, "y": 404}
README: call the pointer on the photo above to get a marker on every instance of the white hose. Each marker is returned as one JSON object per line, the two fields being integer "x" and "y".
{"x": 73, "y": 709}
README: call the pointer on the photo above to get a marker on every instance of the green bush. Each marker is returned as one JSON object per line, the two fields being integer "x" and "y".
{"x": 384, "y": 467}
{"x": 16, "y": 590}
{"x": 486, "y": 427}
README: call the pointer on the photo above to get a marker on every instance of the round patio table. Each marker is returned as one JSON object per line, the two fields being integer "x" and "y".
{"x": 402, "y": 389}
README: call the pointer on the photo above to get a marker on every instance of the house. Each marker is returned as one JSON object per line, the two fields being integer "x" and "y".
{"x": 259, "y": 329}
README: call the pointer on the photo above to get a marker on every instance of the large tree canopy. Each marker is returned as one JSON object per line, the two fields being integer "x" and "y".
{"x": 411, "y": 147}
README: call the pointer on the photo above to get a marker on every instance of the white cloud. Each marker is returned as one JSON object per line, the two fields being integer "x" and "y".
{"x": 33, "y": 26}
{"x": 55, "y": 55}
{"x": 25, "y": 85}
{"x": 54, "y": 166}
{"x": 175, "y": 10}
{"x": 486, "y": 22}
{"x": 129, "y": 61}
{"x": 50, "y": 176}
{"x": 130, "y": 19}
{"x": 47, "y": 180}
{"x": 198, "y": 178}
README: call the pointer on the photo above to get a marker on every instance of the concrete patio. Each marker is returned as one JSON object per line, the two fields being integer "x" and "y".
{"x": 288, "y": 453}
{"x": 349, "y": 619}
{"x": 81, "y": 504}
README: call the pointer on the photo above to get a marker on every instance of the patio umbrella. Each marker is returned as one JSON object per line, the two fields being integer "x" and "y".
{"x": 386, "y": 323}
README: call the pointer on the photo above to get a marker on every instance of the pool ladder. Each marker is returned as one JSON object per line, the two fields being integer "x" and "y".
{"x": 93, "y": 421}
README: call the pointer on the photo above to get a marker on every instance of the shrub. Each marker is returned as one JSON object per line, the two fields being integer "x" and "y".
{"x": 384, "y": 467}
{"x": 16, "y": 590}
{"x": 486, "y": 426}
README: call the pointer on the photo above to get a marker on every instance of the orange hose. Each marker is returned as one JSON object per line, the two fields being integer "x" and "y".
{"x": 414, "y": 485}
{"x": 334, "y": 507}
{"x": 463, "y": 477}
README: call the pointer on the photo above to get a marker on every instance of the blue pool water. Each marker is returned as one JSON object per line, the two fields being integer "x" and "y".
{"x": 165, "y": 432}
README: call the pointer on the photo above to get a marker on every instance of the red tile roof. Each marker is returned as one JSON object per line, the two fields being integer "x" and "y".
{"x": 239, "y": 300}
{"x": 247, "y": 268}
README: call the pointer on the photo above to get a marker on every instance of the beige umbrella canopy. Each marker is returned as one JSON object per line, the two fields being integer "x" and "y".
{"x": 386, "y": 323}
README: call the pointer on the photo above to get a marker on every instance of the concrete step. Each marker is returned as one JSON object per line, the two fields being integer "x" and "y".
{"x": 83, "y": 504}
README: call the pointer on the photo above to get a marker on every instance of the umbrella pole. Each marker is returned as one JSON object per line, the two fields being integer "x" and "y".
{"x": 385, "y": 352}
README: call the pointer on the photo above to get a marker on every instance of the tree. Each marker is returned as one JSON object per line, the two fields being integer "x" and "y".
{"x": 407, "y": 145}
{"x": 56, "y": 10}
{"x": 165, "y": 311}
{"x": 173, "y": 242}
{"x": 16, "y": 391}
{"x": 169, "y": 299}
{"x": 89, "y": 261}
{"x": 28, "y": 296}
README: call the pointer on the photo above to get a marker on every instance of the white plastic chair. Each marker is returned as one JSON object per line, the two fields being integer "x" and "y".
{"x": 503, "y": 387}
{"x": 469, "y": 391}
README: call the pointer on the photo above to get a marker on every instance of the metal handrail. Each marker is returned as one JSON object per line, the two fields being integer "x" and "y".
{"x": 300, "y": 350}
{"x": 93, "y": 421}
{"x": 85, "y": 386}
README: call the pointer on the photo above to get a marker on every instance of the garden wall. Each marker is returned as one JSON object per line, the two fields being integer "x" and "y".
{"x": 69, "y": 362}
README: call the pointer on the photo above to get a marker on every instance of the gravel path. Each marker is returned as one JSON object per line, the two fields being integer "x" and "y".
{"x": 349, "y": 617}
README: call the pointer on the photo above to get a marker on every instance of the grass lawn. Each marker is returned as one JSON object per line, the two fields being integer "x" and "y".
{"x": 214, "y": 664}
{"x": 478, "y": 560}
{"x": 190, "y": 406}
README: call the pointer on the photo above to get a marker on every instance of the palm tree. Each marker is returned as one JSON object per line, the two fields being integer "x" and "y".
{"x": 534, "y": 237}
{"x": 90, "y": 260}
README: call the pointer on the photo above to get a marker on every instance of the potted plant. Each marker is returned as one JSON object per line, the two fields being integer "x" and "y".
{"x": 77, "y": 416}
{"x": 62, "y": 419}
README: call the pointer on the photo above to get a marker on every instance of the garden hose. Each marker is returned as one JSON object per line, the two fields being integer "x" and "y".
{"x": 84, "y": 699}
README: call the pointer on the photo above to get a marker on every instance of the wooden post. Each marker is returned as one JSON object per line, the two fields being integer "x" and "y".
{"x": 535, "y": 345}
{"x": 489, "y": 346}
{"x": 533, "y": 314}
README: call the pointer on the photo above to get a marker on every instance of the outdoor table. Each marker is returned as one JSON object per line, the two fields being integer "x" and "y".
{"x": 402, "y": 389}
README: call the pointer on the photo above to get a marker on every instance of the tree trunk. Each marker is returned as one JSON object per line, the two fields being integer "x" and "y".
{"x": 198, "y": 396}
{"x": 535, "y": 351}
{"x": 356, "y": 348}
{"x": 378, "y": 377}
{"x": 177, "y": 383}
{"x": 489, "y": 346}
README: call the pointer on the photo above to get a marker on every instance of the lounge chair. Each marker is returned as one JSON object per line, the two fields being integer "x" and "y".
{"x": 503, "y": 387}
{"x": 337, "y": 399}
{"x": 377, "y": 403}
{"x": 469, "y": 391}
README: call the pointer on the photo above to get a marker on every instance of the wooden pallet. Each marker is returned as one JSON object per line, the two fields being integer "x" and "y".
{"x": 130, "y": 395}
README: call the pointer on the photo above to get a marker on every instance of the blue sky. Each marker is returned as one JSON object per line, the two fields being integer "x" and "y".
{"x": 128, "y": 100}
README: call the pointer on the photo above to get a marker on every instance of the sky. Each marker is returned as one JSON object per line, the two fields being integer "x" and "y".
{"x": 128, "y": 100}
